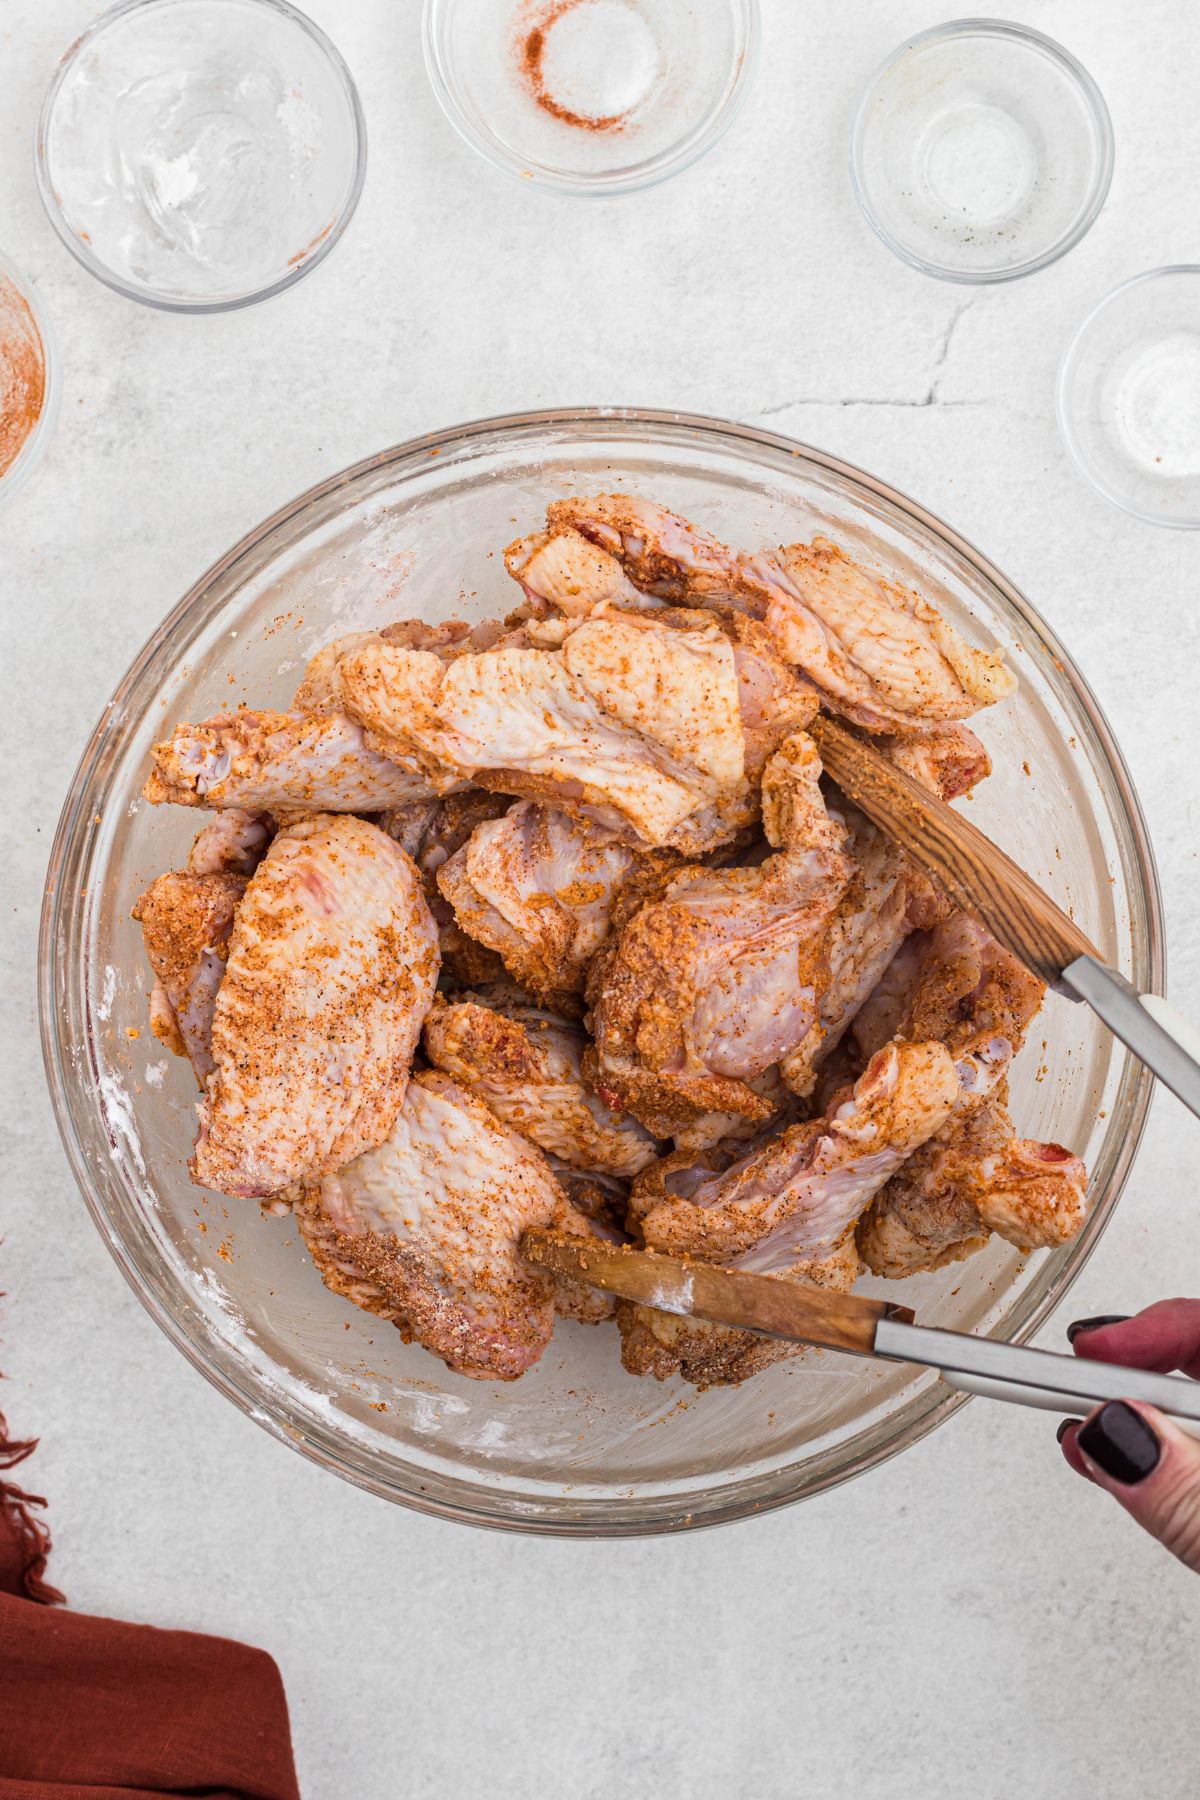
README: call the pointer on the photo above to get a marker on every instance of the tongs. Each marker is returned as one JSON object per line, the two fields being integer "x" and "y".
{"x": 978, "y": 876}
{"x": 1069, "y": 1385}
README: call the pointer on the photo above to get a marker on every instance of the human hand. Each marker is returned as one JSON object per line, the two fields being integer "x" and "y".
{"x": 1143, "y": 1460}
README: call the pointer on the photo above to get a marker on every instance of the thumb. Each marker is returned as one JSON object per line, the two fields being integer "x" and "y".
{"x": 1149, "y": 1466}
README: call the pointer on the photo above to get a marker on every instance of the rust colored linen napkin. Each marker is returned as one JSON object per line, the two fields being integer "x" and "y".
{"x": 94, "y": 1709}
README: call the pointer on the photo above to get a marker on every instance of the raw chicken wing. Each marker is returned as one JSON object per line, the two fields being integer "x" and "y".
{"x": 432, "y": 831}
{"x": 562, "y": 573}
{"x": 331, "y": 970}
{"x": 539, "y": 887}
{"x": 278, "y": 763}
{"x": 797, "y": 1196}
{"x": 712, "y": 984}
{"x": 527, "y": 1065}
{"x": 232, "y": 843}
{"x": 424, "y": 1229}
{"x": 186, "y": 921}
{"x": 632, "y": 726}
{"x": 973, "y": 1178}
{"x": 956, "y": 983}
{"x": 880, "y": 654}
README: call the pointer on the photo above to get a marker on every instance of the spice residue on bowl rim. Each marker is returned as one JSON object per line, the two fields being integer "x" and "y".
{"x": 22, "y": 372}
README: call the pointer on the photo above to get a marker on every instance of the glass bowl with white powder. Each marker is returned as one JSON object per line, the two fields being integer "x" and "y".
{"x": 198, "y": 155}
{"x": 591, "y": 97}
{"x": 981, "y": 151}
{"x": 1129, "y": 396}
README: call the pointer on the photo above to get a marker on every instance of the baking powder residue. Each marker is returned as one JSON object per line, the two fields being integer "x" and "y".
{"x": 22, "y": 372}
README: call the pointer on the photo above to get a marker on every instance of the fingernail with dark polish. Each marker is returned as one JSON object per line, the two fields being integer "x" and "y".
{"x": 1120, "y": 1443}
{"x": 1078, "y": 1325}
{"x": 1064, "y": 1425}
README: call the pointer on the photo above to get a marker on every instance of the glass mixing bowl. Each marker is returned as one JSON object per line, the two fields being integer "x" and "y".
{"x": 576, "y": 1446}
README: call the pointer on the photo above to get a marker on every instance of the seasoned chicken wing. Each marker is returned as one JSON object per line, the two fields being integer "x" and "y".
{"x": 955, "y": 983}
{"x": 424, "y": 1229}
{"x": 331, "y": 969}
{"x": 313, "y": 756}
{"x": 539, "y": 888}
{"x": 868, "y": 923}
{"x": 232, "y": 843}
{"x": 527, "y": 1065}
{"x": 431, "y": 831}
{"x": 668, "y": 1344}
{"x": 974, "y": 1177}
{"x": 562, "y": 573}
{"x": 710, "y": 985}
{"x": 657, "y": 922}
{"x": 888, "y": 657}
{"x": 880, "y": 654}
{"x": 279, "y": 763}
{"x": 797, "y": 1196}
{"x": 949, "y": 760}
{"x": 634, "y": 726}
{"x": 186, "y": 922}
{"x": 321, "y": 689}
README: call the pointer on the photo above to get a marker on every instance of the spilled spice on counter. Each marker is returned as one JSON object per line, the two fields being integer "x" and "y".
{"x": 532, "y": 50}
{"x": 22, "y": 372}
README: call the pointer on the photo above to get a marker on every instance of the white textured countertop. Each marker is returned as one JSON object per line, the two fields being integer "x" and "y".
{"x": 970, "y": 1619}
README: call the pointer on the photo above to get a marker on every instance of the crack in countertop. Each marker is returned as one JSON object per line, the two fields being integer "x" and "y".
{"x": 931, "y": 399}
{"x": 931, "y": 396}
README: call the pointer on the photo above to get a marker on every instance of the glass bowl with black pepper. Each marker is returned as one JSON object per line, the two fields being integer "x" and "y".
{"x": 591, "y": 97}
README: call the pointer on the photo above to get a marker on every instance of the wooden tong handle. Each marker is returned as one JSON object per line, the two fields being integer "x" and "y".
{"x": 971, "y": 870}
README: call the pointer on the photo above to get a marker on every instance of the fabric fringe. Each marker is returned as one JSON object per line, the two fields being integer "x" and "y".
{"x": 30, "y": 1535}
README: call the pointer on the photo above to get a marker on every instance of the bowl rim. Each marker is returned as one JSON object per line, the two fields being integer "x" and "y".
{"x": 83, "y": 252}
{"x": 1097, "y": 107}
{"x": 1067, "y": 370}
{"x": 688, "y": 149}
{"x": 741, "y": 1497}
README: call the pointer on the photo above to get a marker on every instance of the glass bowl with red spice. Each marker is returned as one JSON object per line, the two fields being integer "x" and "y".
{"x": 591, "y": 96}
{"x": 28, "y": 380}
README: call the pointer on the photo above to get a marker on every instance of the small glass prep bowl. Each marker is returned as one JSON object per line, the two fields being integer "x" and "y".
{"x": 1129, "y": 396}
{"x": 575, "y": 1446}
{"x": 981, "y": 151}
{"x": 17, "y": 293}
{"x": 198, "y": 155}
{"x": 592, "y": 97}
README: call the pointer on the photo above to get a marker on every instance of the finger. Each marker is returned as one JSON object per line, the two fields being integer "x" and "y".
{"x": 1165, "y": 1336}
{"x": 1068, "y": 1432}
{"x": 1150, "y": 1467}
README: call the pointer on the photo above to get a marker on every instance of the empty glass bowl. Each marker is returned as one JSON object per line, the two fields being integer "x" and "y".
{"x": 576, "y": 1445}
{"x": 201, "y": 154}
{"x": 591, "y": 96}
{"x": 981, "y": 151}
{"x": 1129, "y": 396}
{"x": 29, "y": 380}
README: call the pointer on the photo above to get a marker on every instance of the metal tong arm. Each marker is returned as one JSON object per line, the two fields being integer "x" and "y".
{"x": 1065, "y": 1384}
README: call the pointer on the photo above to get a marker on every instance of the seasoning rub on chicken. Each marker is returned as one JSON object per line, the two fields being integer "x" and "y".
{"x": 674, "y": 988}
{"x": 332, "y": 963}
